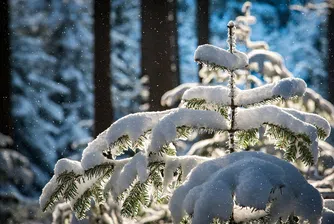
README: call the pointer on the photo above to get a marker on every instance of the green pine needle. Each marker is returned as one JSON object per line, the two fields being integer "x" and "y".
{"x": 247, "y": 138}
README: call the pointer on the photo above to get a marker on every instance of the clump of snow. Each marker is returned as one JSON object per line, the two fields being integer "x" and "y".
{"x": 171, "y": 97}
{"x": 166, "y": 130}
{"x": 285, "y": 88}
{"x": 133, "y": 125}
{"x": 268, "y": 114}
{"x": 68, "y": 165}
{"x": 256, "y": 179}
{"x": 112, "y": 184}
{"x": 63, "y": 165}
{"x": 92, "y": 154}
{"x": 211, "y": 94}
{"x": 47, "y": 192}
{"x": 289, "y": 87}
{"x": 230, "y": 24}
{"x": 137, "y": 166}
{"x": 209, "y": 54}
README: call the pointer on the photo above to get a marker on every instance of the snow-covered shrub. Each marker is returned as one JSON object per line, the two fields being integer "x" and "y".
{"x": 155, "y": 170}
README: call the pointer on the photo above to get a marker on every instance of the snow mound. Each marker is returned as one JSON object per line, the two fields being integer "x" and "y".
{"x": 255, "y": 179}
{"x": 212, "y": 55}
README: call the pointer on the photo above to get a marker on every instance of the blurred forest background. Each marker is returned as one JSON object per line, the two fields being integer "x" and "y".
{"x": 69, "y": 68}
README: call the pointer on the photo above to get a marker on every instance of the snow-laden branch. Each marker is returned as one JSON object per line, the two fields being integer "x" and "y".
{"x": 69, "y": 174}
{"x": 285, "y": 88}
{"x": 257, "y": 180}
{"x": 218, "y": 57}
{"x": 313, "y": 119}
{"x": 211, "y": 94}
{"x": 124, "y": 176}
{"x": 255, "y": 117}
{"x": 166, "y": 130}
{"x": 127, "y": 131}
{"x": 173, "y": 96}
{"x": 320, "y": 104}
{"x": 259, "y": 59}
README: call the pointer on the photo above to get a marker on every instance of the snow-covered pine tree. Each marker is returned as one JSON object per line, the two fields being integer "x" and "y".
{"x": 211, "y": 190}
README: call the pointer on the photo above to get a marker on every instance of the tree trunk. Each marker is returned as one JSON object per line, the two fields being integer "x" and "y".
{"x": 102, "y": 66}
{"x": 202, "y": 16}
{"x": 330, "y": 38}
{"x": 159, "y": 48}
{"x": 5, "y": 77}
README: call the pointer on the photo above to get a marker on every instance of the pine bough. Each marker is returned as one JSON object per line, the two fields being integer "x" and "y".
{"x": 214, "y": 189}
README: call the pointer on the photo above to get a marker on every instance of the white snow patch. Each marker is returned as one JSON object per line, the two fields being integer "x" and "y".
{"x": 209, "y": 54}
{"x": 137, "y": 166}
{"x": 68, "y": 165}
{"x": 211, "y": 94}
{"x": 134, "y": 125}
{"x": 166, "y": 130}
{"x": 47, "y": 191}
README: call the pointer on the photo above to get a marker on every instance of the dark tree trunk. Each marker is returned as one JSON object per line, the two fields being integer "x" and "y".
{"x": 5, "y": 77}
{"x": 102, "y": 66}
{"x": 330, "y": 38}
{"x": 159, "y": 48}
{"x": 202, "y": 16}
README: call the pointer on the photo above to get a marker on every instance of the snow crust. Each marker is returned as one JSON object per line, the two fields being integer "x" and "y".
{"x": 166, "y": 130}
{"x": 255, "y": 179}
{"x": 209, "y": 54}
{"x": 255, "y": 117}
